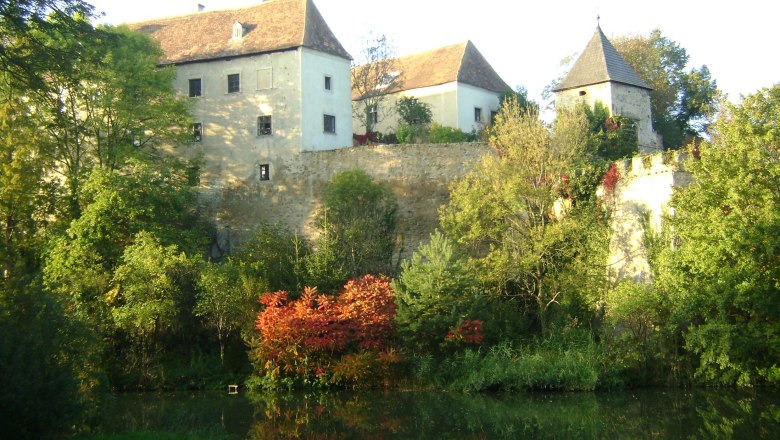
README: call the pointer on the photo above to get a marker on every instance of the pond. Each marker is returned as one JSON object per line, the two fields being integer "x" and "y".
{"x": 654, "y": 413}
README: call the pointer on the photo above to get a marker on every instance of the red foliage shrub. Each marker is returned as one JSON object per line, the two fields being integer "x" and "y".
{"x": 610, "y": 179}
{"x": 469, "y": 332}
{"x": 306, "y": 337}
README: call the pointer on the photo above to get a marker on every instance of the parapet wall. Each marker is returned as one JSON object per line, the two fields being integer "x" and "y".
{"x": 641, "y": 198}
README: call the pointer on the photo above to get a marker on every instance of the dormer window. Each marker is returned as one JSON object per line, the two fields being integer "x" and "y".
{"x": 238, "y": 31}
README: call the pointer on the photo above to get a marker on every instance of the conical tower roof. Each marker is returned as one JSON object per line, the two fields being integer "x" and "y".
{"x": 600, "y": 62}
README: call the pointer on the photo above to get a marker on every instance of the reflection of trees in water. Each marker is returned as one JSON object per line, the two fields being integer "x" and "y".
{"x": 638, "y": 414}
{"x": 655, "y": 413}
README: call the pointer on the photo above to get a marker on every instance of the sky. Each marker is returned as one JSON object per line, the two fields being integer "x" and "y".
{"x": 525, "y": 42}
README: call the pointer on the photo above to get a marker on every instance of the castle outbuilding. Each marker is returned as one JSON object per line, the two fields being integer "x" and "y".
{"x": 600, "y": 74}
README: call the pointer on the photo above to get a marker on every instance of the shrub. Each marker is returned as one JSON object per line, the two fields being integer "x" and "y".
{"x": 439, "y": 134}
{"x": 325, "y": 339}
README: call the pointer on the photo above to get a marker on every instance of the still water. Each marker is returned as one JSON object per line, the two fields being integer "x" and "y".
{"x": 656, "y": 413}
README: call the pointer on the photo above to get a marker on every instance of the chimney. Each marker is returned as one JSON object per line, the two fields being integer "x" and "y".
{"x": 201, "y": 7}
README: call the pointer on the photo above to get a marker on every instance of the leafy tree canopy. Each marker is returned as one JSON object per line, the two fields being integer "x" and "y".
{"x": 683, "y": 101}
{"x": 724, "y": 274}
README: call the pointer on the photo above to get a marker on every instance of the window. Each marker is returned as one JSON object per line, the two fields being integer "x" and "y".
{"x": 373, "y": 114}
{"x": 197, "y": 131}
{"x": 264, "y": 127}
{"x": 234, "y": 83}
{"x": 477, "y": 114}
{"x": 330, "y": 124}
{"x": 327, "y": 82}
{"x": 265, "y": 171}
{"x": 265, "y": 79}
{"x": 493, "y": 115}
{"x": 583, "y": 93}
{"x": 238, "y": 31}
{"x": 195, "y": 87}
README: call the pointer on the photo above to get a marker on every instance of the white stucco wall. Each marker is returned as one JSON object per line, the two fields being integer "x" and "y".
{"x": 317, "y": 101}
{"x": 470, "y": 97}
{"x": 452, "y": 105}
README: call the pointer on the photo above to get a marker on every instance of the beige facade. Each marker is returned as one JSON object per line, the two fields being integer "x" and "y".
{"x": 621, "y": 99}
{"x": 287, "y": 86}
{"x": 453, "y": 105}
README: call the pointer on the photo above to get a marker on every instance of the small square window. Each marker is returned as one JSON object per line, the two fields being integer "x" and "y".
{"x": 234, "y": 83}
{"x": 265, "y": 171}
{"x": 195, "y": 87}
{"x": 330, "y": 124}
{"x": 197, "y": 132}
{"x": 265, "y": 79}
{"x": 477, "y": 114}
{"x": 327, "y": 82}
{"x": 264, "y": 127}
{"x": 373, "y": 114}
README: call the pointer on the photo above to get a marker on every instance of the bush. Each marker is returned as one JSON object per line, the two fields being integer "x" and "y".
{"x": 320, "y": 339}
{"x": 439, "y": 134}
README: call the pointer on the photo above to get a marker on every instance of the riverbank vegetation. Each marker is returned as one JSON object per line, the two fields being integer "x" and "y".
{"x": 106, "y": 284}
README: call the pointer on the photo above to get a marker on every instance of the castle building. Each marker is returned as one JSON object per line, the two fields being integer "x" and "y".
{"x": 601, "y": 74}
{"x": 267, "y": 82}
{"x": 460, "y": 86}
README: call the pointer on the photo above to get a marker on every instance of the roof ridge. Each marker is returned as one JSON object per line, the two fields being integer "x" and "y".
{"x": 462, "y": 58}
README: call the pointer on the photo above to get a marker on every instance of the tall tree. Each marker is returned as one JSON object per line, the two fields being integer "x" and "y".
{"x": 723, "y": 276}
{"x": 683, "y": 102}
{"x": 375, "y": 74}
{"x": 502, "y": 212}
{"x": 359, "y": 217}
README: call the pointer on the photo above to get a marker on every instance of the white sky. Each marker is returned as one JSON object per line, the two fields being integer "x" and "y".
{"x": 526, "y": 41}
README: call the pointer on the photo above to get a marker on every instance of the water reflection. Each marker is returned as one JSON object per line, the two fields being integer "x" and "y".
{"x": 379, "y": 415}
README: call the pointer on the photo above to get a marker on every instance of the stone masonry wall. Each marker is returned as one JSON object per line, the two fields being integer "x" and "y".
{"x": 640, "y": 199}
{"x": 418, "y": 175}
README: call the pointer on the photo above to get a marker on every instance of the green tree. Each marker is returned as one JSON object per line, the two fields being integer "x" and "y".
{"x": 359, "y": 215}
{"x": 44, "y": 370}
{"x": 683, "y": 102}
{"x": 227, "y": 300}
{"x": 612, "y": 137}
{"x": 26, "y": 59}
{"x": 724, "y": 272}
{"x": 148, "y": 296}
{"x": 116, "y": 104}
{"x": 502, "y": 212}
{"x": 275, "y": 257}
{"x": 435, "y": 291}
{"x": 415, "y": 116}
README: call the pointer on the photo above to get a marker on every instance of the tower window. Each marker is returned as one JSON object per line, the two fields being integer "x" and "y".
{"x": 583, "y": 93}
{"x": 477, "y": 114}
{"x": 327, "y": 82}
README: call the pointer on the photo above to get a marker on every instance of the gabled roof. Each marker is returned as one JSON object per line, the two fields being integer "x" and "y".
{"x": 600, "y": 62}
{"x": 460, "y": 62}
{"x": 268, "y": 27}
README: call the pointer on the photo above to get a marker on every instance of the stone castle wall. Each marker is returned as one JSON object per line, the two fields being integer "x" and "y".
{"x": 418, "y": 175}
{"x": 640, "y": 200}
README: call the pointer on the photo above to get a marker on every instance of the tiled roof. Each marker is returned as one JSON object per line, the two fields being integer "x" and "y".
{"x": 600, "y": 62}
{"x": 460, "y": 62}
{"x": 270, "y": 26}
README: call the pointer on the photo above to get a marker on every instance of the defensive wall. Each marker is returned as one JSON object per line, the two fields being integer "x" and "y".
{"x": 420, "y": 176}
{"x": 641, "y": 199}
